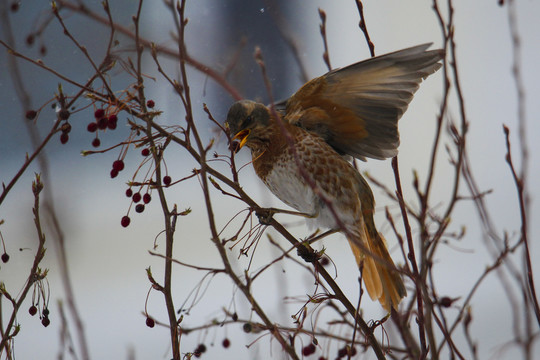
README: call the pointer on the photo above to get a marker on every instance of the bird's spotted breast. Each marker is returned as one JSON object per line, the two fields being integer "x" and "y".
{"x": 334, "y": 177}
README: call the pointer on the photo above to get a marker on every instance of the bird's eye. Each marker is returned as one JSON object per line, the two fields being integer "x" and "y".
{"x": 248, "y": 120}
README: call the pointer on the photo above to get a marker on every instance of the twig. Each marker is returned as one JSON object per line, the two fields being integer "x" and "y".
{"x": 363, "y": 27}
{"x": 523, "y": 212}
{"x": 37, "y": 186}
{"x": 322, "y": 28}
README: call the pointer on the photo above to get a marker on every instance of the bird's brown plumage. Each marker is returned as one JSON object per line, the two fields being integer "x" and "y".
{"x": 351, "y": 111}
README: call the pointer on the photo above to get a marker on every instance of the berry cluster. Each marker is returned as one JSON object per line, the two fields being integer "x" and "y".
{"x": 64, "y": 114}
{"x": 44, "y": 316}
{"x": 141, "y": 200}
{"x": 102, "y": 122}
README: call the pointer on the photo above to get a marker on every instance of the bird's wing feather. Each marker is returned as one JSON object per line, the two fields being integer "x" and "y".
{"x": 356, "y": 108}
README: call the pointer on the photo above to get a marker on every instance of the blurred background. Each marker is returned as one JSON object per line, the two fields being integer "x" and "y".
{"x": 107, "y": 262}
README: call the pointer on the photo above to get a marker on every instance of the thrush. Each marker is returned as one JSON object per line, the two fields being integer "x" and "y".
{"x": 303, "y": 157}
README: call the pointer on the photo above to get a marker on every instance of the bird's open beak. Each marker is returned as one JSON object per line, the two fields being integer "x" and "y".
{"x": 242, "y": 136}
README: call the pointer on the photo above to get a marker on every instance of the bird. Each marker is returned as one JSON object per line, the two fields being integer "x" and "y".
{"x": 302, "y": 149}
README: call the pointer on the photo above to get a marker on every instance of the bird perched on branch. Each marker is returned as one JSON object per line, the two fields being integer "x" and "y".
{"x": 300, "y": 150}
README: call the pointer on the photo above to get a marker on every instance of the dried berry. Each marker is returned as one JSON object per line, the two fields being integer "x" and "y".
{"x": 139, "y": 208}
{"x": 45, "y": 321}
{"x": 150, "y": 104}
{"x": 31, "y": 114}
{"x": 445, "y": 301}
{"x": 324, "y": 261}
{"x": 226, "y": 343}
{"x": 145, "y": 152}
{"x": 114, "y": 173}
{"x": 150, "y": 322}
{"x": 125, "y": 221}
{"x": 33, "y": 310}
{"x": 5, "y": 257}
{"x": 64, "y": 114}
{"x": 66, "y": 128}
{"x": 64, "y": 138}
{"x": 30, "y": 40}
{"x": 46, "y": 312}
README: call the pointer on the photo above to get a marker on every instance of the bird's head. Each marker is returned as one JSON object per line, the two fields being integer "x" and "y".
{"x": 248, "y": 123}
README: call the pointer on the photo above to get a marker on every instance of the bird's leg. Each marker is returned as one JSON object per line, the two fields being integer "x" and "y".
{"x": 265, "y": 214}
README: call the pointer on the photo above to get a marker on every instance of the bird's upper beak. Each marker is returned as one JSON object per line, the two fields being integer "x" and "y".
{"x": 242, "y": 136}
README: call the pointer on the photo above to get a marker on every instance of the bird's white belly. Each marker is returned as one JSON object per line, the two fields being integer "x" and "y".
{"x": 290, "y": 188}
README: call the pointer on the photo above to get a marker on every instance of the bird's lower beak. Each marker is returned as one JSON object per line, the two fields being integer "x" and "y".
{"x": 242, "y": 136}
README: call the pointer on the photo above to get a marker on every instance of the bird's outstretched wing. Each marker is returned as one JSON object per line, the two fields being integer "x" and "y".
{"x": 356, "y": 108}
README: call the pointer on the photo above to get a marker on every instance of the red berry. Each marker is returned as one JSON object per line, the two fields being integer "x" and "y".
{"x": 150, "y": 104}
{"x": 96, "y": 142}
{"x": 92, "y": 127}
{"x": 5, "y": 257}
{"x": 114, "y": 173}
{"x": 45, "y": 321}
{"x": 33, "y": 310}
{"x": 102, "y": 123}
{"x": 150, "y": 322}
{"x": 145, "y": 152}
{"x": 31, "y": 114}
{"x": 99, "y": 113}
{"x": 324, "y": 261}
{"x": 200, "y": 349}
{"x": 308, "y": 350}
{"x": 136, "y": 197}
{"x": 125, "y": 221}
{"x": 129, "y": 192}
{"x": 146, "y": 198}
{"x": 342, "y": 352}
{"x": 30, "y": 40}
{"x": 226, "y": 343}
{"x": 112, "y": 122}
{"x": 139, "y": 208}
{"x": 167, "y": 180}
{"x": 64, "y": 138}
{"x": 446, "y": 301}
{"x": 118, "y": 165}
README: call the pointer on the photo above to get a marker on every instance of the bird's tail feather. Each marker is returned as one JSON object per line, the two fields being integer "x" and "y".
{"x": 382, "y": 281}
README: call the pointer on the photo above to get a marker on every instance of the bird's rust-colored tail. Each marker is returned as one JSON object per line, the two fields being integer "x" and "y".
{"x": 383, "y": 282}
